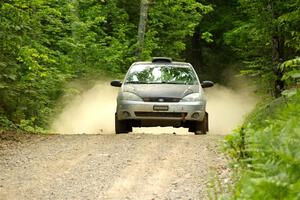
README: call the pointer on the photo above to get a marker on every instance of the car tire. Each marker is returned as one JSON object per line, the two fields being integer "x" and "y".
{"x": 201, "y": 128}
{"x": 207, "y": 124}
{"x": 192, "y": 129}
{"x": 122, "y": 126}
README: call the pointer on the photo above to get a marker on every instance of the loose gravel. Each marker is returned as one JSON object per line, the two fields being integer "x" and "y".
{"x": 129, "y": 167}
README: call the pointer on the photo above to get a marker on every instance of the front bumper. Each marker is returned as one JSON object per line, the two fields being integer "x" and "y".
{"x": 179, "y": 111}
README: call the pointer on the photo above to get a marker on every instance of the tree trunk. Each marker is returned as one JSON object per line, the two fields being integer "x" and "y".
{"x": 277, "y": 58}
{"x": 197, "y": 52}
{"x": 142, "y": 28}
{"x": 193, "y": 52}
{"x": 277, "y": 53}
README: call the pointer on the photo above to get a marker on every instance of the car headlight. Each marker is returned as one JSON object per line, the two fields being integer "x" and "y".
{"x": 193, "y": 97}
{"x": 129, "y": 96}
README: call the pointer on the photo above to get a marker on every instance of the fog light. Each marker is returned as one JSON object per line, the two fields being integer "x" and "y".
{"x": 126, "y": 114}
{"x": 195, "y": 115}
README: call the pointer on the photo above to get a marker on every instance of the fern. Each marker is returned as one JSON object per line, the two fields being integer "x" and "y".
{"x": 270, "y": 163}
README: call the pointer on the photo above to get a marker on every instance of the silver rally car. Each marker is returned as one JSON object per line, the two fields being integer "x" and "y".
{"x": 161, "y": 93}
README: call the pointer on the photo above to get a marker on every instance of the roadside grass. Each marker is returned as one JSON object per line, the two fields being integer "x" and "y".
{"x": 265, "y": 152}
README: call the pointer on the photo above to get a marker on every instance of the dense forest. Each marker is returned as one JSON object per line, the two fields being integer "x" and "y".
{"x": 46, "y": 44}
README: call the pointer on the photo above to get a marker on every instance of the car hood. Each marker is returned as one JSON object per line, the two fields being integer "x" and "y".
{"x": 161, "y": 90}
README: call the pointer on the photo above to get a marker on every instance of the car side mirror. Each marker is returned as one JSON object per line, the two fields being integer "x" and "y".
{"x": 206, "y": 84}
{"x": 116, "y": 83}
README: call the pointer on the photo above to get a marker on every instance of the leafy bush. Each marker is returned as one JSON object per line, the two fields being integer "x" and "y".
{"x": 267, "y": 153}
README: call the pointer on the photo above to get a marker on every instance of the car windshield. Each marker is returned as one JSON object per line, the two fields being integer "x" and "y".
{"x": 161, "y": 74}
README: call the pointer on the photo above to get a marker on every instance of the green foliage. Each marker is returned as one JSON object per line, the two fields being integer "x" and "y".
{"x": 45, "y": 44}
{"x": 169, "y": 24}
{"x": 30, "y": 77}
{"x": 291, "y": 69}
{"x": 266, "y": 151}
{"x": 265, "y": 34}
{"x": 260, "y": 21}
{"x": 207, "y": 50}
{"x": 207, "y": 37}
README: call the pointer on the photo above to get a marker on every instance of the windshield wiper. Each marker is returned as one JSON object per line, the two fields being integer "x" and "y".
{"x": 179, "y": 83}
{"x": 136, "y": 82}
{"x": 164, "y": 82}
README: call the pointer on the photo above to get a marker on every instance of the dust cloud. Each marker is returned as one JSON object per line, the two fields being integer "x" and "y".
{"x": 92, "y": 112}
{"x": 227, "y": 107}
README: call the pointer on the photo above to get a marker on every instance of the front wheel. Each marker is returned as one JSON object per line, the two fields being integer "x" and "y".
{"x": 201, "y": 128}
{"x": 122, "y": 126}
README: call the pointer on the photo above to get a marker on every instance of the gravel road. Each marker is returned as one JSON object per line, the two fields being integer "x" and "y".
{"x": 133, "y": 166}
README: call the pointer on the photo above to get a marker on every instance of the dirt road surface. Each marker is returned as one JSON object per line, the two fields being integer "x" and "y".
{"x": 133, "y": 166}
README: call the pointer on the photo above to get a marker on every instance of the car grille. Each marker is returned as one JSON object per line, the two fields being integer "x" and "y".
{"x": 161, "y": 99}
{"x": 160, "y": 114}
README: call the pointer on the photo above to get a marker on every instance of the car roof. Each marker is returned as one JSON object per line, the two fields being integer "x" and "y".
{"x": 162, "y": 63}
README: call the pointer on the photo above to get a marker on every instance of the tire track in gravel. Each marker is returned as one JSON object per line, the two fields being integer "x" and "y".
{"x": 134, "y": 166}
{"x": 166, "y": 171}
{"x": 139, "y": 179}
